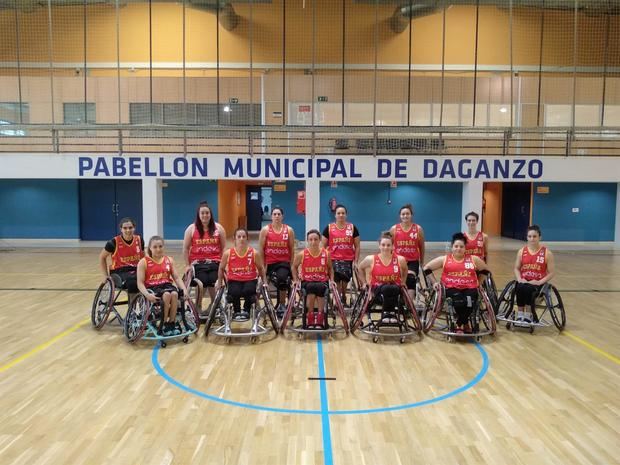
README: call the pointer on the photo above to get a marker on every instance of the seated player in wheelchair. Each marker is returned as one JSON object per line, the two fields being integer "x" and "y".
{"x": 459, "y": 277}
{"x": 387, "y": 274}
{"x": 312, "y": 267}
{"x": 242, "y": 266}
{"x": 125, "y": 251}
{"x": 156, "y": 281}
{"x": 342, "y": 240}
{"x": 203, "y": 244}
{"x": 534, "y": 267}
{"x": 536, "y": 298}
{"x": 276, "y": 244}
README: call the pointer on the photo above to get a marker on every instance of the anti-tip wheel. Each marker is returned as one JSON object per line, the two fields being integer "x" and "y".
{"x": 163, "y": 344}
{"x": 375, "y": 339}
{"x": 185, "y": 339}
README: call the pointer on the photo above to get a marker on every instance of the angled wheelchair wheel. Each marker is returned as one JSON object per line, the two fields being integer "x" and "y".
{"x": 506, "y": 301}
{"x": 294, "y": 308}
{"x": 137, "y": 318}
{"x": 555, "y": 306}
{"x": 491, "y": 292}
{"x": 435, "y": 305}
{"x": 487, "y": 312}
{"x": 410, "y": 308}
{"x": 337, "y": 307}
{"x": 360, "y": 309}
{"x": 215, "y": 305}
{"x": 269, "y": 309}
{"x": 102, "y": 304}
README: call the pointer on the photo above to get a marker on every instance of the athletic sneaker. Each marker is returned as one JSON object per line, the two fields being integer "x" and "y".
{"x": 467, "y": 329}
{"x": 168, "y": 330}
{"x": 177, "y": 329}
{"x": 241, "y": 316}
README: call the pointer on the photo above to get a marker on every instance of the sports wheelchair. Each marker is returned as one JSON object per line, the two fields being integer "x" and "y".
{"x": 298, "y": 320}
{"x": 144, "y": 319}
{"x": 273, "y": 293}
{"x": 195, "y": 287}
{"x": 106, "y": 300}
{"x": 440, "y": 315}
{"x": 262, "y": 309}
{"x": 547, "y": 303}
{"x": 401, "y": 322}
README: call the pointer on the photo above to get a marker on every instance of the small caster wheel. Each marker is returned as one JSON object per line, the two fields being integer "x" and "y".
{"x": 509, "y": 326}
{"x": 185, "y": 339}
{"x": 253, "y": 340}
{"x": 228, "y": 340}
{"x": 402, "y": 340}
{"x": 163, "y": 344}
{"x": 531, "y": 330}
{"x": 451, "y": 339}
{"x": 300, "y": 336}
{"x": 478, "y": 338}
{"x": 375, "y": 339}
{"x": 330, "y": 336}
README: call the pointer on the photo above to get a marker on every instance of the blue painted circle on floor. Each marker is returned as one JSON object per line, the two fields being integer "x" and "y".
{"x": 264, "y": 408}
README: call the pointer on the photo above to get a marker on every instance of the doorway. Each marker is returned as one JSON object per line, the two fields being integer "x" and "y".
{"x": 516, "y": 205}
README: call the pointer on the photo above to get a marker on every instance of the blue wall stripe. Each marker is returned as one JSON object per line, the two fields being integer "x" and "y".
{"x": 374, "y": 206}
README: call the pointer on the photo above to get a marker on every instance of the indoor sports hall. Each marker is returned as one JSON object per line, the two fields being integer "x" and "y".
{"x": 309, "y": 232}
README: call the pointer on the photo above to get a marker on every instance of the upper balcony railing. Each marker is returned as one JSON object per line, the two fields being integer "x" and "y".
{"x": 308, "y": 140}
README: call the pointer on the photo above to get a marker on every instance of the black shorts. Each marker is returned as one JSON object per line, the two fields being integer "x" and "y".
{"x": 526, "y": 294}
{"x": 125, "y": 278}
{"x": 163, "y": 288}
{"x": 343, "y": 270}
{"x": 279, "y": 274}
{"x": 318, "y": 288}
{"x": 415, "y": 267}
{"x": 206, "y": 273}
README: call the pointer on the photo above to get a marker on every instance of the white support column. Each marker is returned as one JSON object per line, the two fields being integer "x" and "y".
{"x": 617, "y": 232}
{"x": 472, "y": 201}
{"x": 152, "y": 208}
{"x": 313, "y": 206}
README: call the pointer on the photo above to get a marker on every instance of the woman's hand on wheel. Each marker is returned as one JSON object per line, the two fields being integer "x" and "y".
{"x": 152, "y": 298}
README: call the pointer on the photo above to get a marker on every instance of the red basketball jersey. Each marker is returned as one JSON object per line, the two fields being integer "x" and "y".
{"x": 277, "y": 245}
{"x": 533, "y": 265}
{"x": 459, "y": 274}
{"x": 340, "y": 242}
{"x": 205, "y": 248}
{"x": 127, "y": 254}
{"x": 407, "y": 242}
{"x": 314, "y": 268}
{"x": 475, "y": 246}
{"x": 157, "y": 274}
{"x": 385, "y": 274}
{"x": 242, "y": 267}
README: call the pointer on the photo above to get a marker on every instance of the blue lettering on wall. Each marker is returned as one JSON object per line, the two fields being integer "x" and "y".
{"x": 482, "y": 171}
{"x": 118, "y": 166}
{"x": 535, "y": 169}
{"x": 465, "y": 168}
{"x": 134, "y": 166}
{"x": 180, "y": 167}
{"x": 384, "y": 168}
{"x": 400, "y": 169}
{"x": 85, "y": 164}
{"x": 101, "y": 168}
{"x": 430, "y": 168}
{"x": 231, "y": 170}
{"x": 352, "y": 172}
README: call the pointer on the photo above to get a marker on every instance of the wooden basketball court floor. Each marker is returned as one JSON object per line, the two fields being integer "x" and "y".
{"x": 73, "y": 395}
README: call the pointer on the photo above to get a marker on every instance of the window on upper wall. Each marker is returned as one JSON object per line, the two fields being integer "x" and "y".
{"x": 191, "y": 114}
{"x": 13, "y": 113}
{"x": 79, "y": 113}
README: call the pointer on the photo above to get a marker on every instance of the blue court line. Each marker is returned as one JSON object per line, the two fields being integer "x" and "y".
{"x": 174, "y": 382}
{"x": 327, "y": 435}
{"x": 483, "y": 371}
